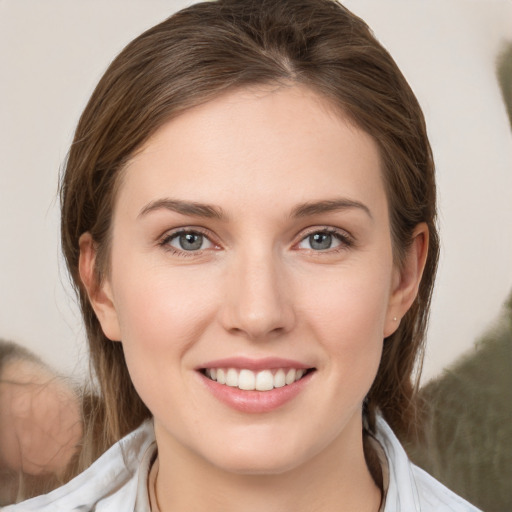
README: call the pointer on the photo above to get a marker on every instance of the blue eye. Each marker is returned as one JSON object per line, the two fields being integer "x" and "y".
{"x": 324, "y": 241}
{"x": 188, "y": 241}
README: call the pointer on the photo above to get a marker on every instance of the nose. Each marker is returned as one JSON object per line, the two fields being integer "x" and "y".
{"x": 258, "y": 301}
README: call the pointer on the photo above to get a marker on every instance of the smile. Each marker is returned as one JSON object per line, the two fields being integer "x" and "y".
{"x": 248, "y": 380}
{"x": 258, "y": 385}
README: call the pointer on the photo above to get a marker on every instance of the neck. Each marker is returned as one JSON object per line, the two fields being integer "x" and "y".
{"x": 336, "y": 479}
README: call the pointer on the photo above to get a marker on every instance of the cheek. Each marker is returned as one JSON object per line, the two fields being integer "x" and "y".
{"x": 161, "y": 313}
{"x": 347, "y": 314}
{"x": 356, "y": 299}
{"x": 156, "y": 299}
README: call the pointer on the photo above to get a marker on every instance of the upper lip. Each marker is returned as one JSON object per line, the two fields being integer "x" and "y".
{"x": 245, "y": 363}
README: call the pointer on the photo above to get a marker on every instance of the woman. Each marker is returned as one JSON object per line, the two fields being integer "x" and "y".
{"x": 248, "y": 213}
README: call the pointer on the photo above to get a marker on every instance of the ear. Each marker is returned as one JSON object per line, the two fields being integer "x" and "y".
{"x": 100, "y": 293}
{"x": 406, "y": 280}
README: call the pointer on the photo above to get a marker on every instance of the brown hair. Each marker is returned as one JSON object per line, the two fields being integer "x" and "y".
{"x": 196, "y": 55}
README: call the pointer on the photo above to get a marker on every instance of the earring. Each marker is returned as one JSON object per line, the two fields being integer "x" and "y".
{"x": 394, "y": 319}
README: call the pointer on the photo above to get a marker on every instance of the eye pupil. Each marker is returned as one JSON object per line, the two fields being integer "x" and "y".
{"x": 319, "y": 241}
{"x": 191, "y": 241}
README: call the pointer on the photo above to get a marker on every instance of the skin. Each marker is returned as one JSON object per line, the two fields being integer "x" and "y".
{"x": 257, "y": 288}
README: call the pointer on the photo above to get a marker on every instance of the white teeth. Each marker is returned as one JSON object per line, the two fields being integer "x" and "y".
{"x": 264, "y": 380}
{"x": 279, "y": 379}
{"x": 246, "y": 380}
{"x": 232, "y": 378}
{"x": 290, "y": 376}
{"x": 221, "y": 376}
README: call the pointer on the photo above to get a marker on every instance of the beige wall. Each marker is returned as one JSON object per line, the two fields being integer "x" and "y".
{"x": 52, "y": 53}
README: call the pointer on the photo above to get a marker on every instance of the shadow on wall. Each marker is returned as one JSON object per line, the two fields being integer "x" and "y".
{"x": 467, "y": 414}
{"x": 504, "y": 73}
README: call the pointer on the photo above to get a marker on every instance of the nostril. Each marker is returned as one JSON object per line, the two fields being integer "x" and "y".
{"x": 255, "y": 332}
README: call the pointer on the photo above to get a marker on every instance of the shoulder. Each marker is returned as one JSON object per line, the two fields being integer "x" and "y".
{"x": 410, "y": 488}
{"x": 110, "y": 484}
{"x": 433, "y": 495}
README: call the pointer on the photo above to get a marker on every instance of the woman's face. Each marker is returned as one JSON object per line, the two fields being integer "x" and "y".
{"x": 251, "y": 242}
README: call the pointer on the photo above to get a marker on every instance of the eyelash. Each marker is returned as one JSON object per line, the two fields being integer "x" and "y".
{"x": 346, "y": 241}
{"x": 168, "y": 237}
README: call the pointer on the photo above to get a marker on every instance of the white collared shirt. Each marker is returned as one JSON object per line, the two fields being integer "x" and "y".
{"x": 117, "y": 481}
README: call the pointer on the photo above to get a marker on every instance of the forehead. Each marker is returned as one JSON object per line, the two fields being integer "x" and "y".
{"x": 274, "y": 143}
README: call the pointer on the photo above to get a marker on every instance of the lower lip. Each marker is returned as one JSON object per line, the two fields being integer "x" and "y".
{"x": 255, "y": 401}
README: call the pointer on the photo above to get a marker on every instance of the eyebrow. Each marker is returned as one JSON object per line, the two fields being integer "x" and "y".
{"x": 327, "y": 206}
{"x": 214, "y": 212}
{"x": 184, "y": 207}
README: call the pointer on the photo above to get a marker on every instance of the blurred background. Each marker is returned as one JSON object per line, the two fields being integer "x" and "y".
{"x": 52, "y": 53}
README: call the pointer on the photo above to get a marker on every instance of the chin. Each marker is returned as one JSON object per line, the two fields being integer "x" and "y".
{"x": 259, "y": 458}
{"x": 259, "y": 465}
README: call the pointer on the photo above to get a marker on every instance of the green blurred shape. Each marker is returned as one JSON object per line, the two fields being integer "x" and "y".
{"x": 467, "y": 421}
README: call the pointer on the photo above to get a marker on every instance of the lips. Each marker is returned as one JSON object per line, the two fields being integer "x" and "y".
{"x": 255, "y": 386}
